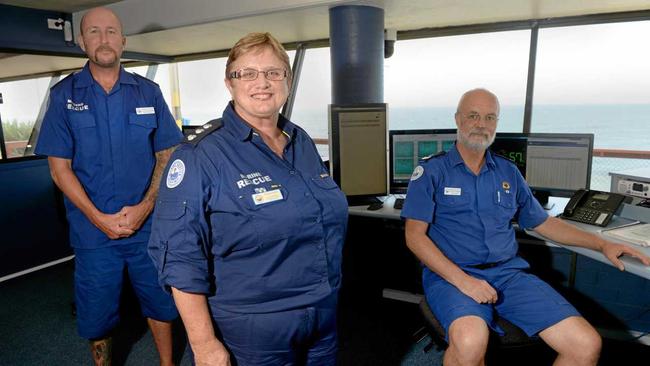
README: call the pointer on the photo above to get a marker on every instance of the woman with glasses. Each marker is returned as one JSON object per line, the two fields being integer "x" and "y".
{"x": 249, "y": 226}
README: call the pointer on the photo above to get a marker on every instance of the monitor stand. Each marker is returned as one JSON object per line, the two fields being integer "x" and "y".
{"x": 362, "y": 200}
{"x": 542, "y": 198}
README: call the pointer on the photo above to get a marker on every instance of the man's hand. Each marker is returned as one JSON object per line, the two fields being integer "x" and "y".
{"x": 110, "y": 225}
{"x": 479, "y": 290}
{"x": 614, "y": 250}
{"x": 132, "y": 217}
{"x": 212, "y": 353}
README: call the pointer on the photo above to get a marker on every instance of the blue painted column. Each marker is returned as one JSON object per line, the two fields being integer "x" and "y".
{"x": 357, "y": 54}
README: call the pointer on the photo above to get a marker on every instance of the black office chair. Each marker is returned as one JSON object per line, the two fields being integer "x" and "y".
{"x": 514, "y": 337}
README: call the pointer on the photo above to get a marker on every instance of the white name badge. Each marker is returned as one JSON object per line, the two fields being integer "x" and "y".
{"x": 266, "y": 197}
{"x": 452, "y": 191}
{"x": 145, "y": 110}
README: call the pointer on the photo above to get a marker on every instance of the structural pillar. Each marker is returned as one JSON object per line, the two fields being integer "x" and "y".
{"x": 357, "y": 54}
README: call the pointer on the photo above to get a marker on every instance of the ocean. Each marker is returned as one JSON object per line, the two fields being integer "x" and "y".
{"x": 614, "y": 127}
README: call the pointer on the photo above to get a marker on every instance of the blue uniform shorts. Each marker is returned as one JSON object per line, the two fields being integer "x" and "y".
{"x": 523, "y": 299}
{"x": 98, "y": 286}
{"x": 305, "y": 336}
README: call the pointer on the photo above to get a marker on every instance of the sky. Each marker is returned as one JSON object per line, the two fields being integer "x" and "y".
{"x": 595, "y": 64}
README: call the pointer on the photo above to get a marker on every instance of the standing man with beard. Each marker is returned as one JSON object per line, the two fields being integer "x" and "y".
{"x": 458, "y": 214}
{"x": 108, "y": 135}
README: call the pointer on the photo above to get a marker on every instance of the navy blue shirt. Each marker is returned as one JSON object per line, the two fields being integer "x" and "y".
{"x": 470, "y": 215}
{"x": 254, "y": 232}
{"x": 111, "y": 139}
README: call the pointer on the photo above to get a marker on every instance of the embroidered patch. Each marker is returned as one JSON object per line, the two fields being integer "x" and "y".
{"x": 417, "y": 173}
{"x": 175, "y": 174}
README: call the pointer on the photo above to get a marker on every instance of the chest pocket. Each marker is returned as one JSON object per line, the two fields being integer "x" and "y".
{"x": 273, "y": 220}
{"x": 454, "y": 203}
{"x": 505, "y": 203}
{"x": 141, "y": 129}
{"x": 86, "y": 134}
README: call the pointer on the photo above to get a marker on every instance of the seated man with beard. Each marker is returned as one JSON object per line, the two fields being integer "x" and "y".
{"x": 458, "y": 215}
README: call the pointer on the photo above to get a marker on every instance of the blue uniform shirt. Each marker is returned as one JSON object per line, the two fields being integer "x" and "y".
{"x": 254, "y": 232}
{"x": 470, "y": 215}
{"x": 111, "y": 139}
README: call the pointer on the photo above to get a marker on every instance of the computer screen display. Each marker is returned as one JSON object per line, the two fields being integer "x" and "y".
{"x": 554, "y": 163}
{"x": 407, "y": 147}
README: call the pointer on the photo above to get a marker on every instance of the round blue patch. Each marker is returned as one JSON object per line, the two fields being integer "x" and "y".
{"x": 175, "y": 174}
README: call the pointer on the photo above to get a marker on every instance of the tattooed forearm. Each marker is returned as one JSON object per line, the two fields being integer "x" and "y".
{"x": 102, "y": 350}
{"x": 162, "y": 157}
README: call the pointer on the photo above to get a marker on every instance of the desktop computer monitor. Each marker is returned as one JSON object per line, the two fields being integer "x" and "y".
{"x": 358, "y": 151}
{"x": 407, "y": 147}
{"x": 555, "y": 164}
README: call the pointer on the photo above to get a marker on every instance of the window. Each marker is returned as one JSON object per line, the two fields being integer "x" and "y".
{"x": 314, "y": 94}
{"x": 595, "y": 79}
{"x": 22, "y": 101}
{"x": 203, "y": 93}
{"x": 425, "y": 78}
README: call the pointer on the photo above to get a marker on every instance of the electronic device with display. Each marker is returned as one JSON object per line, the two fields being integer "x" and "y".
{"x": 407, "y": 147}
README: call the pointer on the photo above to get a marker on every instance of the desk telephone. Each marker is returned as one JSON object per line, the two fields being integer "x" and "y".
{"x": 592, "y": 207}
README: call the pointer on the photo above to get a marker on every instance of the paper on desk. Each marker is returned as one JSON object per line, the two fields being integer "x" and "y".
{"x": 637, "y": 234}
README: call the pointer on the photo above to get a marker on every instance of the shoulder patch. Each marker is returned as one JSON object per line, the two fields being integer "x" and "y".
{"x": 436, "y": 155}
{"x": 175, "y": 174}
{"x": 197, "y": 135}
{"x": 417, "y": 173}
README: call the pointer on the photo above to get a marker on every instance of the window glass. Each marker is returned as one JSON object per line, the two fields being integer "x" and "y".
{"x": 314, "y": 94}
{"x": 22, "y": 100}
{"x": 202, "y": 90}
{"x": 425, "y": 78}
{"x": 595, "y": 79}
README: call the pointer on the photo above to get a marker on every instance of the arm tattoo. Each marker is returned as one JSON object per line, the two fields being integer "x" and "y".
{"x": 161, "y": 161}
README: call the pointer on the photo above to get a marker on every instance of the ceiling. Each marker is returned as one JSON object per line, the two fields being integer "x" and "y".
{"x": 173, "y": 28}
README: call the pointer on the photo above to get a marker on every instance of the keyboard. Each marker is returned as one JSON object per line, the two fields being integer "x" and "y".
{"x": 399, "y": 203}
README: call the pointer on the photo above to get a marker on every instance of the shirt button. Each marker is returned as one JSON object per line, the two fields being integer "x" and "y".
{"x": 307, "y": 194}
{"x": 292, "y": 172}
{"x": 320, "y": 246}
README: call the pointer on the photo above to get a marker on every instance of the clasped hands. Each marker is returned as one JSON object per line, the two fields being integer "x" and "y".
{"x": 124, "y": 223}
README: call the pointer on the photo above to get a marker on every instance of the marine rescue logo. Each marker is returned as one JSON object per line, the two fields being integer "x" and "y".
{"x": 175, "y": 174}
{"x": 417, "y": 173}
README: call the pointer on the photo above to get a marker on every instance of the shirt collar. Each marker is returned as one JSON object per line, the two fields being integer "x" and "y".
{"x": 85, "y": 79}
{"x": 243, "y": 130}
{"x": 456, "y": 159}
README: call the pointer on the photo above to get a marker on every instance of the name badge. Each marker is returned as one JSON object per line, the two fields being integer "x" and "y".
{"x": 144, "y": 110}
{"x": 267, "y": 197}
{"x": 452, "y": 191}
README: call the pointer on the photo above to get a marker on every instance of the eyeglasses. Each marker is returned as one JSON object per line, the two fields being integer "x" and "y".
{"x": 475, "y": 117}
{"x": 251, "y": 74}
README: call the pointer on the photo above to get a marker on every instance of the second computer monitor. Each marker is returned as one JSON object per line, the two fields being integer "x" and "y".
{"x": 407, "y": 147}
{"x": 553, "y": 163}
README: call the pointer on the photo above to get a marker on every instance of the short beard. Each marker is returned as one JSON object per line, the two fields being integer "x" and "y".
{"x": 476, "y": 146}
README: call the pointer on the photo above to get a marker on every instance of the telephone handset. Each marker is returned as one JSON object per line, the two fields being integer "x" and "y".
{"x": 592, "y": 207}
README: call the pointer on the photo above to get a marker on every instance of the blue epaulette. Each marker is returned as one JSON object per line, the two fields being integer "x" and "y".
{"x": 436, "y": 155}
{"x": 197, "y": 135}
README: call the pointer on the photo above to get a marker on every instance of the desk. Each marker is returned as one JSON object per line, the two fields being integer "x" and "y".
{"x": 631, "y": 265}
